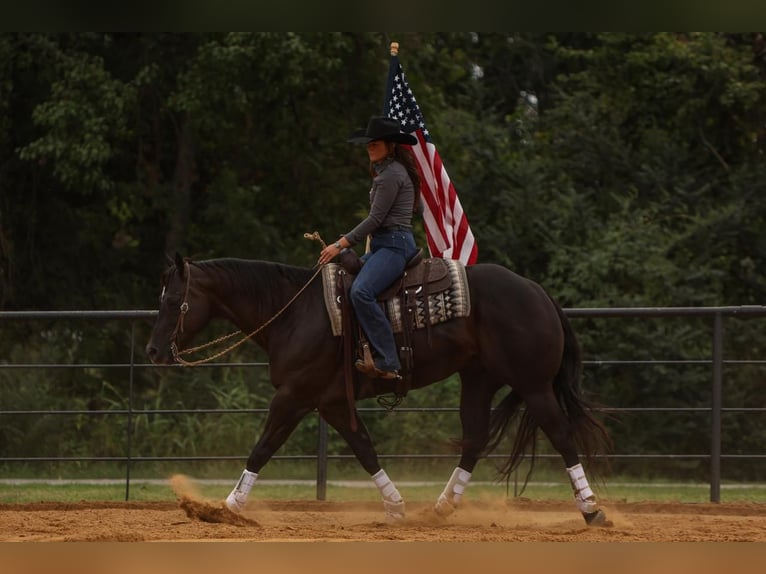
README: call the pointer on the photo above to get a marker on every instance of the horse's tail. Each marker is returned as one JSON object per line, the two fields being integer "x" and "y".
{"x": 590, "y": 435}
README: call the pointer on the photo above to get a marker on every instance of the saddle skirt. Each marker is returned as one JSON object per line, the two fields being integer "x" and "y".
{"x": 447, "y": 289}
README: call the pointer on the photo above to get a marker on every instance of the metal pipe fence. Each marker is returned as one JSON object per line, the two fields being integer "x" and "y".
{"x": 716, "y": 363}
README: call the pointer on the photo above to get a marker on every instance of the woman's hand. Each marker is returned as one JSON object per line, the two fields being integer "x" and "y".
{"x": 329, "y": 252}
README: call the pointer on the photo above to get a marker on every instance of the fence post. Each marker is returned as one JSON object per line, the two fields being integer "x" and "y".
{"x": 715, "y": 446}
{"x": 129, "y": 440}
{"x": 322, "y": 460}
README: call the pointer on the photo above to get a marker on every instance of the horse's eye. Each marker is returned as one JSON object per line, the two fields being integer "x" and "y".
{"x": 169, "y": 299}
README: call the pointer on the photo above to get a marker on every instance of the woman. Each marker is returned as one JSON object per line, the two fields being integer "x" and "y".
{"x": 394, "y": 197}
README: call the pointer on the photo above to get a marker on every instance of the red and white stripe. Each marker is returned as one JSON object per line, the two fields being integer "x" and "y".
{"x": 448, "y": 233}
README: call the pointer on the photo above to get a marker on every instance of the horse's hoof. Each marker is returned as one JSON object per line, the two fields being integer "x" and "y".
{"x": 444, "y": 507}
{"x": 235, "y": 503}
{"x": 394, "y": 510}
{"x": 597, "y": 518}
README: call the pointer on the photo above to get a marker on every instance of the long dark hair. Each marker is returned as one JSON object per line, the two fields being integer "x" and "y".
{"x": 405, "y": 156}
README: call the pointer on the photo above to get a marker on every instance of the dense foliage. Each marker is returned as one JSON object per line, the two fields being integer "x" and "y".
{"x": 614, "y": 169}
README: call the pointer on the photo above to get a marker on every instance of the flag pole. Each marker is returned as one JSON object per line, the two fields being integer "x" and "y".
{"x": 394, "y": 48}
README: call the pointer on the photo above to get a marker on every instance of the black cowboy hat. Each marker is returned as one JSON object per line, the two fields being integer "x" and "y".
{"x": 381, "y": 128}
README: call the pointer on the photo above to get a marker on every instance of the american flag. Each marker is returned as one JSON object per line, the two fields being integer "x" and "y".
{"x": 447, "y": 230}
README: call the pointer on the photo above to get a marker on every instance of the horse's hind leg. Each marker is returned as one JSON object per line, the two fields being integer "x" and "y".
{"x": 475, "y": 405}
{"x": 545, "y": 410}
{"x": 337, "y": 415}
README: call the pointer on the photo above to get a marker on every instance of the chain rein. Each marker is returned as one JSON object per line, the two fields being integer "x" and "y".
{"x": 184, "y": 308}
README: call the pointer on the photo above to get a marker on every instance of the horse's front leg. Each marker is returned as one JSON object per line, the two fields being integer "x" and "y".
{"x": 284, "y": 415}
{"x": 338, "y": 416}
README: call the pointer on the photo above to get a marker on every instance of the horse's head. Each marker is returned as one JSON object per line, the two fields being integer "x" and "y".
{"x": 184, "y": 311}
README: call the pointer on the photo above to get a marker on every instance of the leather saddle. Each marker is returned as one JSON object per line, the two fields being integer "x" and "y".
{"x": 432, "y": 274}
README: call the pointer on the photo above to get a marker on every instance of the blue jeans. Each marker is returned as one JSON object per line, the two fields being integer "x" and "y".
{"x": 384, "y": 264}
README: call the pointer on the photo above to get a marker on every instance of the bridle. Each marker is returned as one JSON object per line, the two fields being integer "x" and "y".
{"x": 184, "y": 308}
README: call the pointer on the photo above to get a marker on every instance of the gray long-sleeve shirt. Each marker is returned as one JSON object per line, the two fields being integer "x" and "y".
{"x": 392, "y": 196}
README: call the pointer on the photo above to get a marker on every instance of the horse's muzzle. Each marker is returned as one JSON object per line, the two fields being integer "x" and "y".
{"x": 158, "y": 358}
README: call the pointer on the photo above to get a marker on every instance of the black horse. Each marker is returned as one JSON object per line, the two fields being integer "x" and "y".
{"x": 515, "y": 336}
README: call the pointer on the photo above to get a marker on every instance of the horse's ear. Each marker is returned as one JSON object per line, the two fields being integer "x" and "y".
{"x": 169, "y": 259}
{"x": 179, "y": 261}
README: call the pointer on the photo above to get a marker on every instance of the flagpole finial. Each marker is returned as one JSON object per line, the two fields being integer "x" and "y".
{"x": 394, "y": 48}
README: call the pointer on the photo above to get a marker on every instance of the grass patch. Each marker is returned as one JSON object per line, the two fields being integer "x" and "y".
{"x": 366, "y": 492}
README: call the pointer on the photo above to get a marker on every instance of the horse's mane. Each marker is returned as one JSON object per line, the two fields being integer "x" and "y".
{"x": 253, "y": 277}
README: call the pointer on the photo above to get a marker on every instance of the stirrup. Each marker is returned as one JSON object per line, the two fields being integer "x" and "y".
{"x": 387, "y": 375}
{"x": 366, "y": 364}
{"x": 363, "y": 367}
{"x": 375, "y": 372}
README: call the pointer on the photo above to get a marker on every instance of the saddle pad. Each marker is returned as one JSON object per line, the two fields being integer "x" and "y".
{"x": 443, "y": 305}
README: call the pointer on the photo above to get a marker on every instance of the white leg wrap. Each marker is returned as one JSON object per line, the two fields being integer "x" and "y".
{"x": 238, "y": 497}
{"x": 450, "y": 497}
{"x": 392, "y": 500}
{"x": 584, "y": 497}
